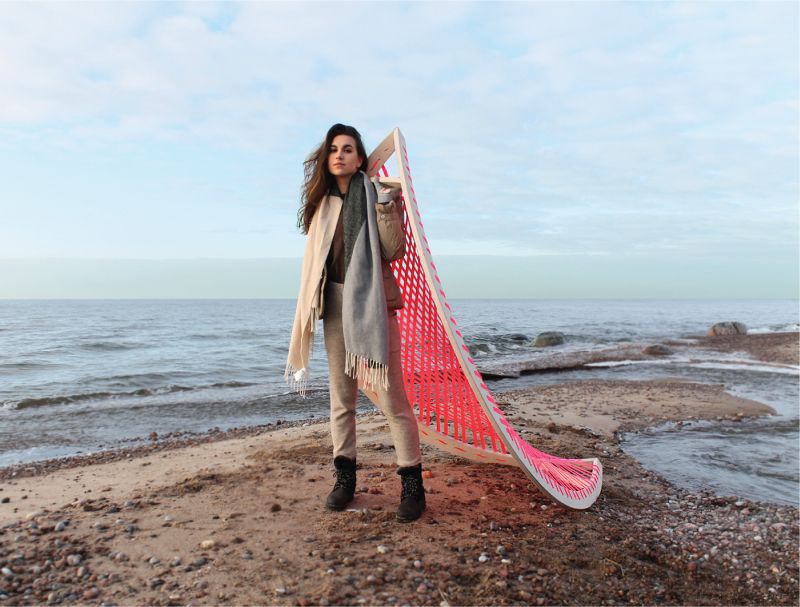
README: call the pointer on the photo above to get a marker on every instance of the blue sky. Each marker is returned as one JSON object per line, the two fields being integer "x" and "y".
{"x": 585, "y": 137}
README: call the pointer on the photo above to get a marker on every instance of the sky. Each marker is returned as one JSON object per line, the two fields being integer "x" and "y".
{"x": 588, "y": 149}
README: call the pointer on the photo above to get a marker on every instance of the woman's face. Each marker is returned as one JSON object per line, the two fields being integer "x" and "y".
{"x": 343, "y": 158}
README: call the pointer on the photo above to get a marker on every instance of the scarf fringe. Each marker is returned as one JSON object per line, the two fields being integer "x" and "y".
{"x": 301, "y": 386}
{"x": 369, "y": 372}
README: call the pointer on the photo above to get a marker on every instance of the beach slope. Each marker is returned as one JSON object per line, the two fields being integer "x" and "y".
{"x": 238, "y": 518}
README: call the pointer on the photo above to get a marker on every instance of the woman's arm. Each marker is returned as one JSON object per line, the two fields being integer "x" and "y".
{"x": 390, "y": 223}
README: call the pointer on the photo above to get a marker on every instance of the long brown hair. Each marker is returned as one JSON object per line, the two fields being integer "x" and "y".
{"x": 318, "y": 179}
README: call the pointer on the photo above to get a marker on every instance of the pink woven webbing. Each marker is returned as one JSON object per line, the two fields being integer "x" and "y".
{"x": 436, "y": 382}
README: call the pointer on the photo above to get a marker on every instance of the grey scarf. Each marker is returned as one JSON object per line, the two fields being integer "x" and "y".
{"x": 365, "y": 320}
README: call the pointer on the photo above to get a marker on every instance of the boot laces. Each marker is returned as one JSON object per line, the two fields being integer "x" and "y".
{"x": 411, "y": 487}
{"x": 345, "y": 479}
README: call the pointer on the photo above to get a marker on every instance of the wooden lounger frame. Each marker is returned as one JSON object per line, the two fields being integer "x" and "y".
{"x": 454, "y": 408}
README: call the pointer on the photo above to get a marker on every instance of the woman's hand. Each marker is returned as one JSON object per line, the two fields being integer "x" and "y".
{"x": 386, "y": 194}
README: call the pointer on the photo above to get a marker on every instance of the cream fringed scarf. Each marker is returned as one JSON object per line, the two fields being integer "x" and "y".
{"x": 364, "y": 316}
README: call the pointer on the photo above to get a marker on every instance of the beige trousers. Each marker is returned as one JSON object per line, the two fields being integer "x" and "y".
{"x": 344, "y": 389}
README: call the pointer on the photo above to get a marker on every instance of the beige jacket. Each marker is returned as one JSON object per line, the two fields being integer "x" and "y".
{"x": 393, "y": 247}
{"x": 310, "y": 300}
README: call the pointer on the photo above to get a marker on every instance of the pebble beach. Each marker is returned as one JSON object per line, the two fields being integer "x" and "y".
{"x": 237, "y": 517}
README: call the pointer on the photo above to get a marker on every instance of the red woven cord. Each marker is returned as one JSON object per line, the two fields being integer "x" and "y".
{"x": 435, "y": 383}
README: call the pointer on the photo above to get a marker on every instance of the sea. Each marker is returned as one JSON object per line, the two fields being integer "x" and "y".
{"x": 82, "y": 376}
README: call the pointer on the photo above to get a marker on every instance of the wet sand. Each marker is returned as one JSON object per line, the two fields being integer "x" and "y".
{"x": 237, "y": 518}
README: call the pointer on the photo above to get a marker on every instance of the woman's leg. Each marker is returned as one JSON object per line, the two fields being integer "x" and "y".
{"x": 343, "y": 388}
{"x": 405, "y": 433}
{"x": 395, "y": 406}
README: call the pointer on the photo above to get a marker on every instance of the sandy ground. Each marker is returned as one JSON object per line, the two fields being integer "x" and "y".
{"x": 238, "y": 518}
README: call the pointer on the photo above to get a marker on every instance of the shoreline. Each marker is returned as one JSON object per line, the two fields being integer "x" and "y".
{"x": 782, "y": 348}
{"x": 605, "y": 421}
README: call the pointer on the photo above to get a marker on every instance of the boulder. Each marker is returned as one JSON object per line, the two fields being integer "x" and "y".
{"x": 517, "y": 337}
{"x": 474, "y": 349}
{"x": 549, "y": 338}
{"x": 728, "y": 328}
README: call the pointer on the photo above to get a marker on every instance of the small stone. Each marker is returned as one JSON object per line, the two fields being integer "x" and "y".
{"x": 382, "y": 549}
{"x": 6, "y": 571}
{"x": 61, "y": 525}
{"x": 275, "y": 508}
{"x": 501, "y": 550}
{"x": 207, "y": 544}
{"x": 483, "y": 558}
{"x": 422, "y": 589}
{"x": 91, "y": 593}
{"x": 418, "y": 564}
{"x": 176, "y": 561}
{"x": 427, "y": 474}
{"x": 156, "y": 582}
{"x": 154, "y": 560}
{"x": 74, "y": 559}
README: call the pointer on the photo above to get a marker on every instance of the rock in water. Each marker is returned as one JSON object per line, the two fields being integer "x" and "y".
{"x": 728, "y": 328}
{"x": 548, "y": 338}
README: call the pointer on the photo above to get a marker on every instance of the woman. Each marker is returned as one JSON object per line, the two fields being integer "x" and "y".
{"x": 353, "y": 233}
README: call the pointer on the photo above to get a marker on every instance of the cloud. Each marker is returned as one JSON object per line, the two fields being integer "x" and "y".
{"x": 533, "y": 128}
